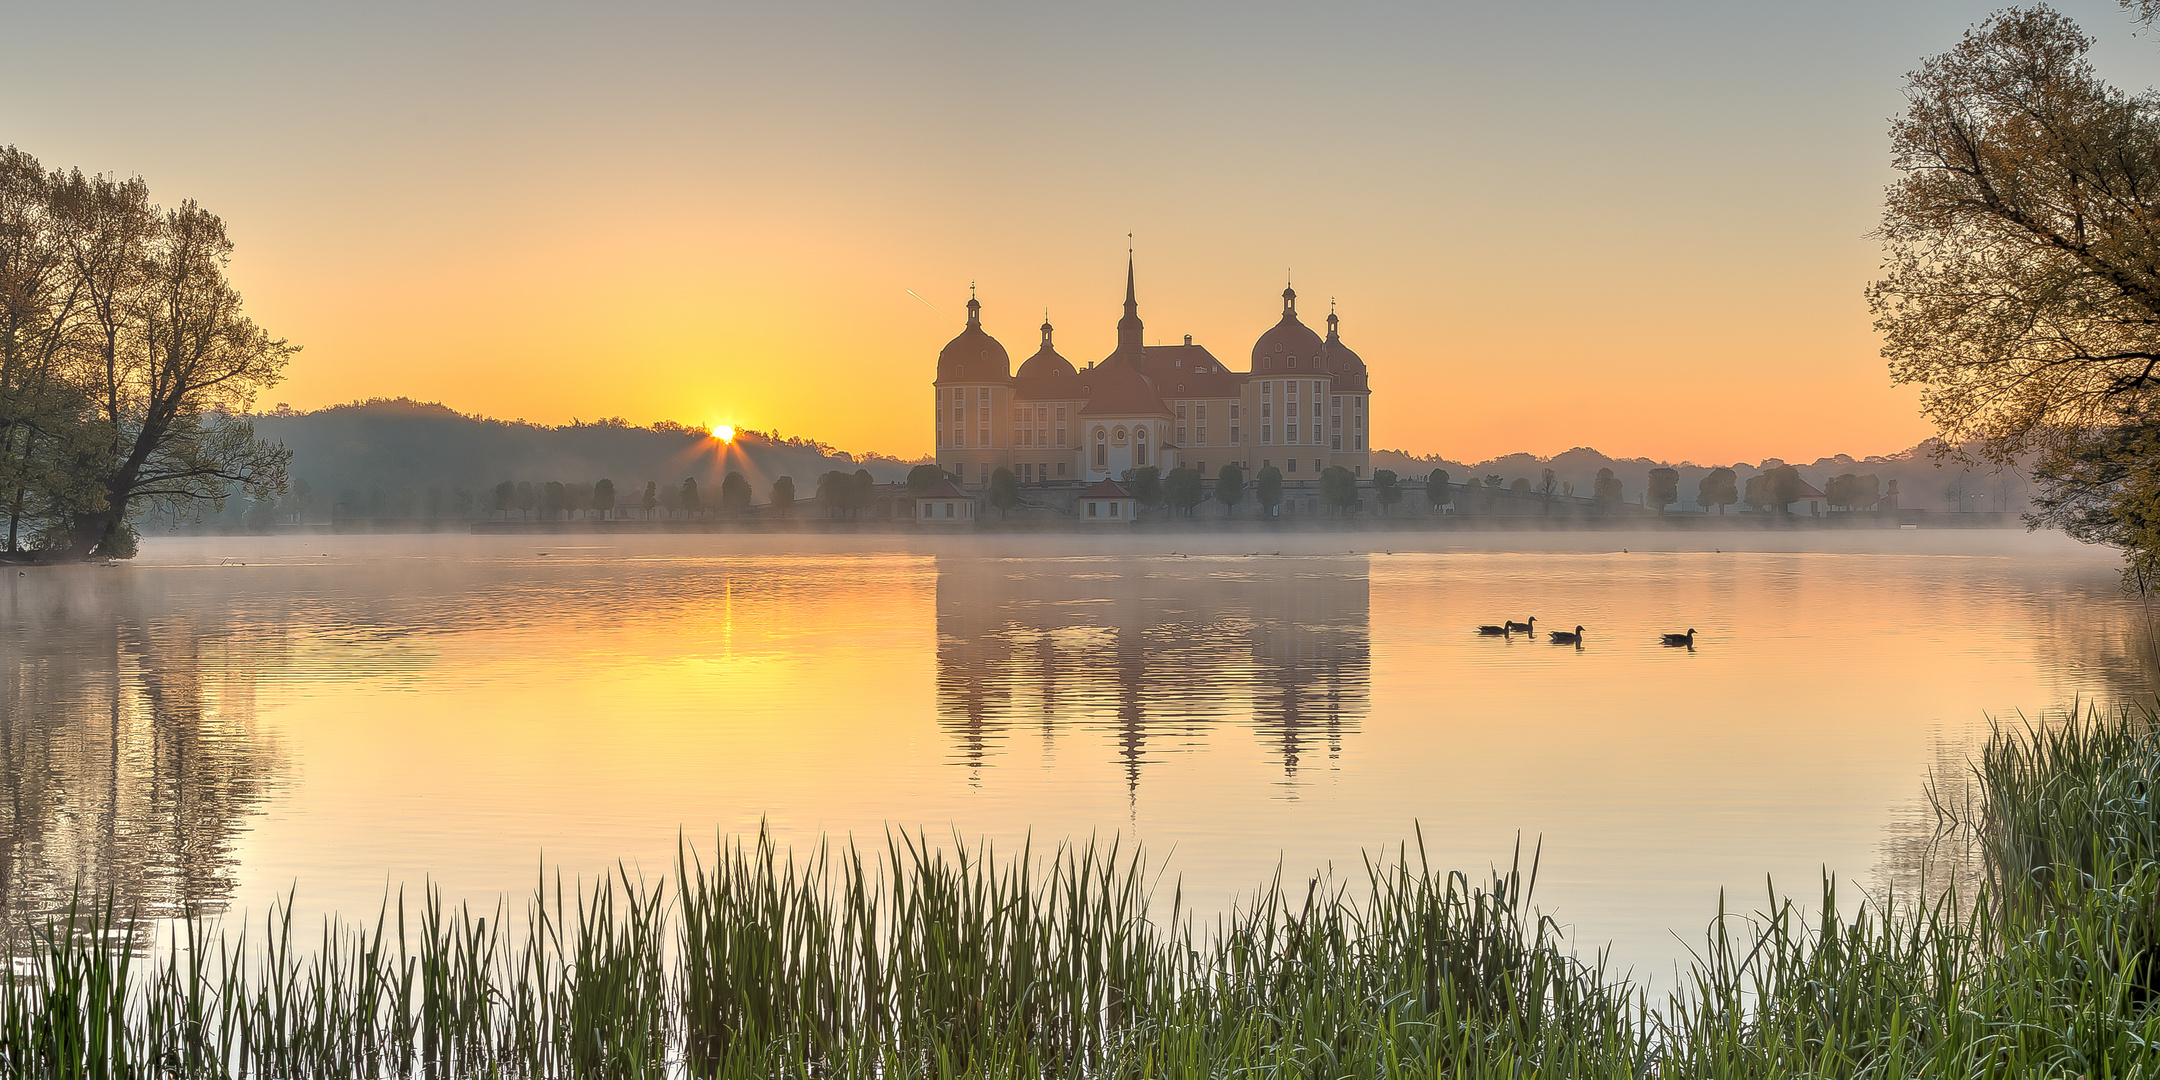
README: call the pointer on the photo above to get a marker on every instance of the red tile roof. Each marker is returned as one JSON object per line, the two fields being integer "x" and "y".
{"x": 1121, "y": 391}
{"x": 1106, "y": 489}
{"x": 944, "y": 489}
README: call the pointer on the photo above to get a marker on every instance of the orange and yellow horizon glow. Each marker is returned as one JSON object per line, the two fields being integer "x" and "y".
{"x": 1645, "y": 231}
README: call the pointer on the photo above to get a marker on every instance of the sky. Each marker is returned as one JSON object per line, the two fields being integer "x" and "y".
{"x": 1642, "y": 228}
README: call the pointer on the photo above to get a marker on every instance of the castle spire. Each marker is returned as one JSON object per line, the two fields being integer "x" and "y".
{"x": 974, "y": 307}
{"x": 1128, "y": 328}
{"x": 1331, "y": 319}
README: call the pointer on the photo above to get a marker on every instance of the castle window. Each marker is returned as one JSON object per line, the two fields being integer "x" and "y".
{"x": 1233, "y": 411}
{"x": 1293, "y": 362}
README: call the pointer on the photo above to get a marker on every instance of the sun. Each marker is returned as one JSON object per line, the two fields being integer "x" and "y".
{"x": 723, "y": 432}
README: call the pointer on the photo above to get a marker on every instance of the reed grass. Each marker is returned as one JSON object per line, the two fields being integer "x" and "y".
{"x": 915, "y": 959}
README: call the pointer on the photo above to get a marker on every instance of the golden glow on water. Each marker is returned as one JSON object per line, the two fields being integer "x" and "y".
{"x": 356, "y": 712}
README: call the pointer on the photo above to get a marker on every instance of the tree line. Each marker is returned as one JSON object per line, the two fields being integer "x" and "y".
{"x": 126, "y": 362}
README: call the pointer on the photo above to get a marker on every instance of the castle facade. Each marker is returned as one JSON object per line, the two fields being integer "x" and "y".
{"x": 1303, "y": 405}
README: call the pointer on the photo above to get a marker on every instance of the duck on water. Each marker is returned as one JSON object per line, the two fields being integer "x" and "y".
{"x": 1679, "y": 640}
{"x": 1563, "y": 637}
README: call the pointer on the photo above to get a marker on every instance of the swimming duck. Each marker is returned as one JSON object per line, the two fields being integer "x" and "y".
{"x": 1677, "y": 640}
{"x": 1524, "y": 627}
{"x": 1562, "y": 637}
{"x": 1494, "y": 631}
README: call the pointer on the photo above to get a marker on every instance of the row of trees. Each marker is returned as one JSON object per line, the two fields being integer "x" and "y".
{"x": 126, "y": 363}
{"x": 839, "y": 492}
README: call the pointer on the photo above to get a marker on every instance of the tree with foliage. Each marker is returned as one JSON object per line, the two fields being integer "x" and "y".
{"x": 734, "y": 493}
{"x": 783, "y": 495}
{"x": 555, "y": 499}
{"x": 505, "y": 497}
{"x": 1230, "y": 487}
{"x": 1757, "y": 497}
{"x": 652, "y": 496}
{"x": 1338, "y": 489}
{"x": 689, "y": 499}
{"x": 1183, "y": 489}
{"x": 1145, "y": 483}
{"x": 1663, "y": 488}
{"x": 1605, "y": 489}
{"x": 1004, "y": 490}
{"x": 2022, "y": 284}
{"x": 603, "y": 497}
{"x": 127, "y": 367}
{"x": 862, "y": 491}
{"x": 922, "y": 478}
{"x": 1386, "y": 488}
{"x": 1720, "y": 487}
{"x": 528, "y": 500}
{"x": 1782, "y": 486}
{"x": 1494, "y": 485}
{"x": 1267, "y": 489}
{"x": 1519, "y": 486}
{"x": 1438, "y": 493}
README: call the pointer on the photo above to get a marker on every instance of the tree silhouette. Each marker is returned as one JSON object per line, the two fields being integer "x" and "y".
{"x": 689, "y": 500}
{"x": 556, "y": 499}
{"x": 1605, "y": 489}
{"x": 1719, "y": 488}
{"x": 1338, "y": 489}
{"x": 734, "y": 493}
{"x": 1438, "y": 493}
{"x": 1663, "y": 490}
{"x": 1145, "y": 483}
{"x": 1183, "y": 490}
{"x": 1004, "y": 490}
{"x": 1782, "y": 486}
{"x": 652, "y": 496}
{"x": 1387, "y": 488}
{"x": 1267, "y": 489}
{"x": 783, "y": 495}
{"x": 922, "y": 478}
{"x": 603, "y": 497}
{"x": 506, "y": 496}
{"x": 1230, "y": 487}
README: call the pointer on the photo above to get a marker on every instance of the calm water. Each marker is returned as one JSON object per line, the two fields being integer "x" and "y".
{"x": 346, "y": 715}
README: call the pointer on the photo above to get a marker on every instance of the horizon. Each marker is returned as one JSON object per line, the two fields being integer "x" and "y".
{"x": 839, "y": 450}
{"x": 656, "y": 211}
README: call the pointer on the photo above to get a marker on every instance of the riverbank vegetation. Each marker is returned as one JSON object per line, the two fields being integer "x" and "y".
{"x": 916, "y": 959}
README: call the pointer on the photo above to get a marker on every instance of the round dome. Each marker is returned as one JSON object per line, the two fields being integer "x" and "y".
{"x": 1288, "y": 339}
{"x": 1046, "y": 360}
{"x": 973, "y": 356}
{"x": 1346, "y": 364}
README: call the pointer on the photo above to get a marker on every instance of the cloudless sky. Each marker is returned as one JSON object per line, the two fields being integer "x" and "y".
{"x": 1640, "y": 227}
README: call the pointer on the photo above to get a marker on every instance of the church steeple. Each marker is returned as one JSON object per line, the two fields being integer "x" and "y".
{"x": 1128, "y": 328}
{"x": 974, "y": 307}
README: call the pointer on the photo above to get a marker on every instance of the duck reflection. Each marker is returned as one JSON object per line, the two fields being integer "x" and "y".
{"x": 129, "y": 758}
{"x": 1158, "y": 654}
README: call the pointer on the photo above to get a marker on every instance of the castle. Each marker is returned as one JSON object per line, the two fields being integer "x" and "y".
{"x": 1303, "y": 405}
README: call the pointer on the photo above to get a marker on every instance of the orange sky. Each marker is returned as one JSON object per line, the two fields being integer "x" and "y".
{"x": 1644, "y": 231}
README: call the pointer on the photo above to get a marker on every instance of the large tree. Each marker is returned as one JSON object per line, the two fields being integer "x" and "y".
{"x": 2022, "y": 290}
{"x": 173, "y": 366}
{"x": 1663, "y": 488}
{"x": 1338, "y": 489}
{"x": 1720, "y": 487}
{"x": 1183, "y": 489}
{"x": 1230, "y": 487}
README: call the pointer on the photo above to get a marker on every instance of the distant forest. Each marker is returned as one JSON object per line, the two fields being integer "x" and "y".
{"x": 398, "y": 460}
{"x": 394, "y": 459}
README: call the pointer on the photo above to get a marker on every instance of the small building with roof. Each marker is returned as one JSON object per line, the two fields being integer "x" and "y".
{"x": 1107, "y": 503}
{"x": 945, "y": 504}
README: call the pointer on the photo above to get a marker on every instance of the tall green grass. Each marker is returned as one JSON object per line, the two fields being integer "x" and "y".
{"x": 914, "y": 959}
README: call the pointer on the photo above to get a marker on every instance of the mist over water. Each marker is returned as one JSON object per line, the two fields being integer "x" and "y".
{"x": 229, "y": 718}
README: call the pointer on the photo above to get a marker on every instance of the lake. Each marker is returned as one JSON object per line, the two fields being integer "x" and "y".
{"x": 226, "y": 719}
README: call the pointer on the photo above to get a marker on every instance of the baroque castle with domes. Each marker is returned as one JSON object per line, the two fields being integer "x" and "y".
{"x": 1304, "y": 404}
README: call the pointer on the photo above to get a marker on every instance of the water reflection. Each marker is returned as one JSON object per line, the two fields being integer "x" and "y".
{"x": 129, "y": 755}
{"x": 1156, "y": 653}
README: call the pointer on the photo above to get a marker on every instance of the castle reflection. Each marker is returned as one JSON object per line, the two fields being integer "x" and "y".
{"x": 129, "y": 761}
{"x": 1157, "y": 654}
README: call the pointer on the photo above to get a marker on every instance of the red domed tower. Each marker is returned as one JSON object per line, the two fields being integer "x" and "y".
{"x": 974, "y": 392}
